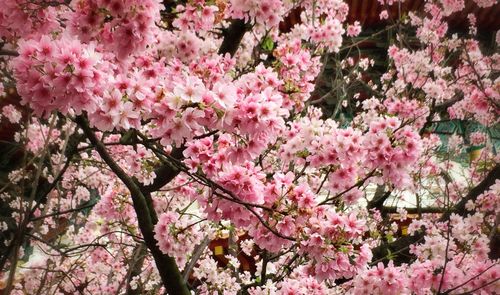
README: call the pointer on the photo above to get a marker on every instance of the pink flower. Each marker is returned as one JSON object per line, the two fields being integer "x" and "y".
{"x": 12, "y": 114}
{"x": 286, "y": 226}
{"x": 354, "y": 30}
{"x": 384, "y": 15}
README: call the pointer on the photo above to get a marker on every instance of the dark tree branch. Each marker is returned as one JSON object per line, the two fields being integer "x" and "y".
{"x": 483, "y": 186}
{"x": 198, "y": 251}
{"x": 424, "y": 210}
{"x": 402, "y": 244}
{"x": 233, "y": 36}
{"x": 165, "y": 173}
{"x": 495, "y": 240}
{"x": 136, "y": 264}
{"x": 443, "y": 106}
{"x": 64, "y": 212}
{"x": 8, "y": 52}
{"x": 167, "y": 268}
{"x": 379, "y": 198}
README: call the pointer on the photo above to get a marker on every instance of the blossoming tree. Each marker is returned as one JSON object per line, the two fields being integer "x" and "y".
{"x": 145, "y": 129}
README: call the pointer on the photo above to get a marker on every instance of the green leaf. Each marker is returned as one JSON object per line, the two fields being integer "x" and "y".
{"x": 129, "y": 137}
{"x": 390, "y": 256}
{"x": 220, "y": 113}
{"x": 268, "y": 44}
{"x": 303, "y": 153}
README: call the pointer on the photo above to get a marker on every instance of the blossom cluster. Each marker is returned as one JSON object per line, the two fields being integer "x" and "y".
{"x": 123, "y": 27}
{"x": 322, "y": 23}
{"x": 265, "y": 12}
{"x": 19, "y": 18}
{"x": 177, "y": 235}
{"x": 387, "y": 146}
{"x": 424, "y": 277}
{"x": 61, "y": 74}
{"x": 200, "y": 17}
{"x": 298, "y": 70}
{"x": 229, "y": 146}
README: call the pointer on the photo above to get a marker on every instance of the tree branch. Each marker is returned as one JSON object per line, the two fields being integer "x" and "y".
{"x": 64, "y": 212}
{"x": 8, "y": 52}
{"x": 380, "y": 252}
{"x": 484, "y": 185}
{"x": 136, "y": 264}
{"x": 198, "y": 251}
{"x": 379, "y": 198}
{"x": 424, "y": 210}
{"x": 232, "y": 37}
{"x": 165, "y": 173}
{"x": 169, "y": 272}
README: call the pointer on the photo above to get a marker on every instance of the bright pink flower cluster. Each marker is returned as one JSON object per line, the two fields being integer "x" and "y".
{"x": 184, "y": 45}
{"x": 11, "y": 113}
{"x": 409, "y": 110}
{"x": 428, "y": 277}
{"x": 488, "y": 201}
{"x": 245, "y": 182}
{"x": 188, "y": 108}
{"x": 451, "y": 6}
{"x": 246, "y": 185}
{"x": 386, "y": 146}
{"x": 123, "y": 27}
{"x": 298, "y": 69}
{"x": 198, "y": 17}
{"x": 328, "y": 35}
{"x": 481, "y": 105}
{"x": 380, "y": 280}
{"x": 332, "y": 258}
{"x": 300, "y": 285}
{"x": 112, "y": 207}
{"x": 61, "y": 74}
{"x": 20, "y": 18}
{"x": 266, "y": 12}
{"x": 322, "y": 23}
{"x": 396, "y": 155}
{"x": 177, "y": 235}
{"x": 354, "y": 29}
{"x": 433, "y": 28}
